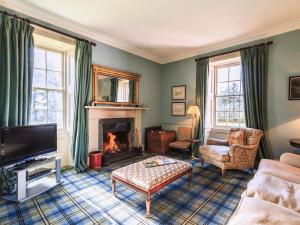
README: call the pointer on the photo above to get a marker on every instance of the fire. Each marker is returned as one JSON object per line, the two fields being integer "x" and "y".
{"x": 111, "y": 145}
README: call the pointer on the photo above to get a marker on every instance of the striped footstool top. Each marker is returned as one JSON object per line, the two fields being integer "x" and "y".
{"x": 148, "y": 178}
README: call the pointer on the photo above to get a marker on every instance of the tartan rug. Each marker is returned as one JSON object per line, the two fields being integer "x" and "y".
{"x": 86, "y": 198}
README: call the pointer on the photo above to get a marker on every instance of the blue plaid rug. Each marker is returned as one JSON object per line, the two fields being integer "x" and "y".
{"x": 86, "y": 199}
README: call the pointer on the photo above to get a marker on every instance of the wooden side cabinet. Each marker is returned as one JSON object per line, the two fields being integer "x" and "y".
{"x": 158, "y": 141}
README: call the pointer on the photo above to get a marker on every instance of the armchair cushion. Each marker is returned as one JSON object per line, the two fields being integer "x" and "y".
{"x": 213, "y": 141}
{"x": 237, "y": 137}
{"x": 216, "y": 152}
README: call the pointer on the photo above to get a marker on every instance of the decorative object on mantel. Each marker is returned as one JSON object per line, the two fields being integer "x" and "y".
{"x": 115, "y": 87}
{"x": 194, "y": 111}
{"x": 178, "y": 108}
{"x": 294, "y": 88}
{"x": 179, "y": 92}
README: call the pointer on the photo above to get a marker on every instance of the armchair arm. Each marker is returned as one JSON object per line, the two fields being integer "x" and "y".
{"x": 234, "y": 148}
{"x": 290, "y": 159}
{"x": 213, "y": 141}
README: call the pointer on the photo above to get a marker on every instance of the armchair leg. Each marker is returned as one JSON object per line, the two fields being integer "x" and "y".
{"x": 223, "y": 172}
{"x": 202, "y": 162}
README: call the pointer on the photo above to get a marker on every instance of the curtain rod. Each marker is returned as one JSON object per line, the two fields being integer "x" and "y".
{"x": 45, "y": 27}
{"x": 206, "y": 57}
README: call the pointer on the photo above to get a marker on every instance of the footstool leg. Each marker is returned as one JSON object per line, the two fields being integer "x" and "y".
{"x": 113, "y": 185}
{"x": 148, "y": 205}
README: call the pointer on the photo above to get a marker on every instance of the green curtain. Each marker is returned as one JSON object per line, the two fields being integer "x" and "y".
{"x": 201, "y": 86}
{"x": 114, "y": 89}
{"x": 16, "y": 68}
{"x": 254, "y": 67}
{"x": 83, "y": 87}
{"x": 131, "y": 90}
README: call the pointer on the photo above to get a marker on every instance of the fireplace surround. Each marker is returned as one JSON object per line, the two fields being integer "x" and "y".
{"x": 98, "y": 113}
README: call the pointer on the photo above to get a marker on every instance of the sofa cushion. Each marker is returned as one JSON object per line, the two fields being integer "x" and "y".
{"x": 275, "y": 190}
{"x": 280, "y": 170}
{"x": 216, "y": 152}
{"x": 237, "y": 137}
{"x": 256, "y": 211}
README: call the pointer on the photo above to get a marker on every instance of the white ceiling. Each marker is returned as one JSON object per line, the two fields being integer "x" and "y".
{"x": 167, "y": 30}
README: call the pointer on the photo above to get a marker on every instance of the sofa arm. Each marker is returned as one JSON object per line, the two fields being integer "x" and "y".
{"x": 290, "y": 159}
{"x": 213, "y": 141}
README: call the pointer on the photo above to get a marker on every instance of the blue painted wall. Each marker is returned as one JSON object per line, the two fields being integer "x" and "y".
{"x": 283, "y": 116}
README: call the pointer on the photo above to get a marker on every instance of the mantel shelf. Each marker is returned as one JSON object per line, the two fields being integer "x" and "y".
{"x": 116, "y": 107}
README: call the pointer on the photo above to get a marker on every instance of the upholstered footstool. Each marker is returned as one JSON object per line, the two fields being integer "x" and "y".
{"x": 150, "y": 180}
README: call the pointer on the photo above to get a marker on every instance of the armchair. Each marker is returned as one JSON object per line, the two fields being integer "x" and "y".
{"x": 235, "y": 156}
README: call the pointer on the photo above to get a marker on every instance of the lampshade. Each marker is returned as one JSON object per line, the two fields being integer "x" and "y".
{"x": 194, "y": 110}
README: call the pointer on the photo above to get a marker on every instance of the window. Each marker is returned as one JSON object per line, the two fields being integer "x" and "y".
{"x": 228, "y": 96}
{"x": 48, "y": 88}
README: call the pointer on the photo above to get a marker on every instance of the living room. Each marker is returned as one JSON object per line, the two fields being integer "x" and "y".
{"x": 113, "y": 114}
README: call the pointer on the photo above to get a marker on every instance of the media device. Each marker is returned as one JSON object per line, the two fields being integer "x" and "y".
{"x": 24, "y": 143}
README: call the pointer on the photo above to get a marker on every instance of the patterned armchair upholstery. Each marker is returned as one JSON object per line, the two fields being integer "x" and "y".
{"x": 220, "y": 154}
{"x": 184, "y": 139}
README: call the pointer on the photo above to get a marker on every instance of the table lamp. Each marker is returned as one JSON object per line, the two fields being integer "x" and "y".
{"x": 194, "y": 111}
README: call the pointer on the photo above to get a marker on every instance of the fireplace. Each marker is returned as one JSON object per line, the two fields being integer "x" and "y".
{"x": 116, "y": 139}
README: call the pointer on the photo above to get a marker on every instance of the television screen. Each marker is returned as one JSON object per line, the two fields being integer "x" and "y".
{"x": 24, "y": 142}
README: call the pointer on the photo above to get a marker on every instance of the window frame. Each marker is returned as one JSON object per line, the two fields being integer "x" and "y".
{"x": 63, "y": 90}
{"x": 216, "y": 66}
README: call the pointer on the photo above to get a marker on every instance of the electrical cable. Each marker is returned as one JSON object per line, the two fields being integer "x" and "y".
{"x": 9, "y": 183}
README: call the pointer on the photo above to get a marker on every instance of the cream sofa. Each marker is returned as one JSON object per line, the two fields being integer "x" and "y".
{"x": 273, "y": 195}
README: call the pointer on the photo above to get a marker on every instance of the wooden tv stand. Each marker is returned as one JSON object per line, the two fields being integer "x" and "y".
{"x": 29, "y": 188}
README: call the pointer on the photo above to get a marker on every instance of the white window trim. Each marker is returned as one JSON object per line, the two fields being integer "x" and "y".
{"x": 65, "y": 87}
{"x": 229, "y": 59}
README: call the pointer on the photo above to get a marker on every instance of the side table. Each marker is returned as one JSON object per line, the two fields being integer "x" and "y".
{"x": 194, "y": 144}
{"x": 295, "y": 142}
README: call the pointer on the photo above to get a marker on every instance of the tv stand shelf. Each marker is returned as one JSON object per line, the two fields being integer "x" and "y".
{"x": 29, "y": 188}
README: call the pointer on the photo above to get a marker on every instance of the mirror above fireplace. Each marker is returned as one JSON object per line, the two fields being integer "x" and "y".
{"x": 115, "y": 87}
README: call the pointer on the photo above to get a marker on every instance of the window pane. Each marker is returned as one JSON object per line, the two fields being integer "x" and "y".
{"x": 54, "y": 61}
{"x": 222, "y": 74}
{"x": 242, "y": 107}
{"x": 221, "y": 118}
{"x": 54, "y": 80}
{"x": 39, "y": 58}
{"x": 235, "y": 73}
{"x": 242, "y": 119}
{"x": 55, "y": 100}
{"x": 39, "y": 78}
{"x": 234, "y": 88}
{"x": 39, "y": 99}
{"x": 233, "y": 119}
{"x": 221, "y": 103}
{"x": 38, "y": 116}
{"x": 222, "y": 89}
{"x": 56, "y": 117}
{"x": 233, "y": 103}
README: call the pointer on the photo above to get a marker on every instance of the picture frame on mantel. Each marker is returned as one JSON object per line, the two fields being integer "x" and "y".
{"x": 294, "y": 88}
{"x": 179, "y": 92}
{"x": 178, "y": 109}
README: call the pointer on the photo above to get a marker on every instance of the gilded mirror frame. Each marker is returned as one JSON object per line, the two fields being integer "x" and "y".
{"x": 110, "y": 72}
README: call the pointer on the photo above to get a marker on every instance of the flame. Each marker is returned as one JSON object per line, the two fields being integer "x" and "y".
{"x": 111, "y": 145}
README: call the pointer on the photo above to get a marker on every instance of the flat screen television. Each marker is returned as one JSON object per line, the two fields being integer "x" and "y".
{"x": 22, "y": 143}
